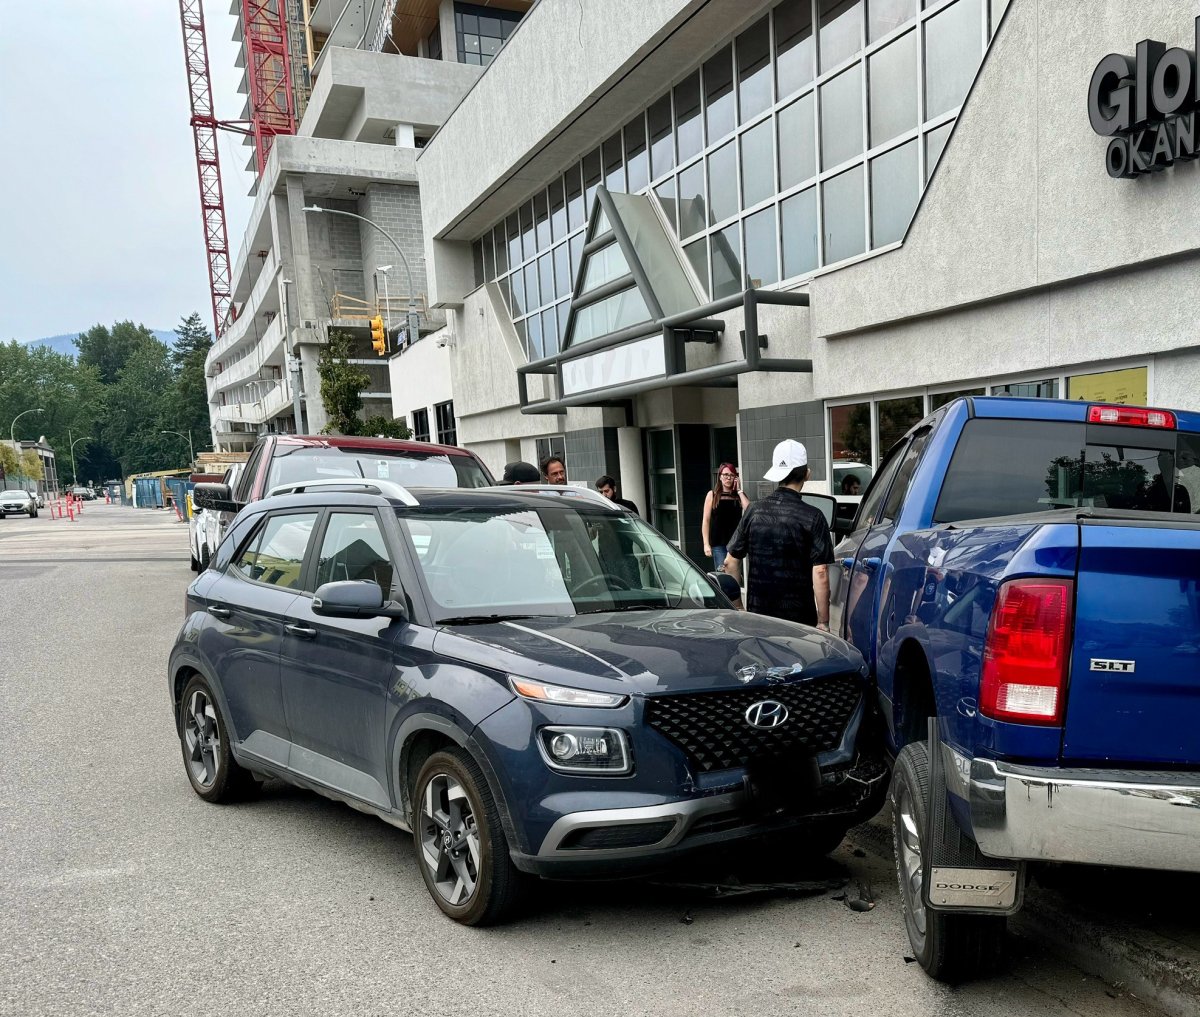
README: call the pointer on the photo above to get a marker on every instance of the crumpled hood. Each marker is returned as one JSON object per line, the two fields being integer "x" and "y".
{"x": 651, "y": 652}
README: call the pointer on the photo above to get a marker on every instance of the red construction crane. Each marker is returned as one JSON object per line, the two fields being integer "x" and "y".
{"x": 270, "y": 111}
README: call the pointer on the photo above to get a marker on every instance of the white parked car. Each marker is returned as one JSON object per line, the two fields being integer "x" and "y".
{"x": 206, "y": 526}
{"x": 15, "y": 500}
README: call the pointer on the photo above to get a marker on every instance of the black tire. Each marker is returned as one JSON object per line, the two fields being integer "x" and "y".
{"x": 194, "y": 565}
{"x": 496, "y": 890}
{"x": 205, "y": 557}
{"x": 33, "y": 513}
{"x": 204, "y": 740}
{"x": 950, "y": 947}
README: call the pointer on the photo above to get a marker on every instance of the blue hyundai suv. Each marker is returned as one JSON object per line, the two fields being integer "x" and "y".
{"x": 532, "y": 681}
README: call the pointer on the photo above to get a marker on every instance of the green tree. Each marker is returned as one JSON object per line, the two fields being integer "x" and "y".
{"x": 191, "y": 391}
{"x": 31, "y": 465}
{"x": 342, "y": 384}
{"x": 137, "y": 406}
{"x": 385, "y": 427}
{"x": 10, "y": 464}
{"x": 109, "y": 350}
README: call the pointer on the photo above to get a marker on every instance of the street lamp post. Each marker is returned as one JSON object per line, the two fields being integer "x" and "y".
{"x": 12, "y": 433}
{"x": 413, "y": 322}
{"x": 186, "y": 437}
{"x": 76, "y": 441}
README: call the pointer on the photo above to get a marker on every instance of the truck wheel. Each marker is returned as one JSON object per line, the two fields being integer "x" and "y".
{"x": 950, "y": 947}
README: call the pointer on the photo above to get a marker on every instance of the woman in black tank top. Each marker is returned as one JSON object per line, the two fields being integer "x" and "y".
{"x": 723, "y": 508}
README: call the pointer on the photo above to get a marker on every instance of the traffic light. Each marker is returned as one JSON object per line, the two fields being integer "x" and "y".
{"x": 378, "y": 336}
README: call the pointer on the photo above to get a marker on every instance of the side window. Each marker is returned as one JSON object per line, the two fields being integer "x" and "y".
{"x": 353, "y": 548}
{"x": 276, "y": 555}
{"x": 904, "y": 475}
{"x": 237, "y": 532}
{"x": 868, "y": 511}
{"x": 245, "y": 482}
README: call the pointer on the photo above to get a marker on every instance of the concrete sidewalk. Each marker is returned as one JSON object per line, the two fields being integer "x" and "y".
{"x": 1138, "y": 931}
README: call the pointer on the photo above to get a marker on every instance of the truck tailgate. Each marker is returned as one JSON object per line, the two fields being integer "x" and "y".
{"x": 1134, "y": 694}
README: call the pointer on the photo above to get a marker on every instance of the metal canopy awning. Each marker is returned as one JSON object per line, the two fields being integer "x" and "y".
{"x": 683, "y": 320}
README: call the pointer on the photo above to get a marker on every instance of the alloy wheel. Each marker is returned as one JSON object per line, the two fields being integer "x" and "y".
{"x": 912, "y": 875}
{"x": 202, "y": 737}
{"x": 450, "y": 847}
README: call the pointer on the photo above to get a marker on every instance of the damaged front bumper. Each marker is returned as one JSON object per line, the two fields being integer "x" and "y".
{"x": 1139, "y": 819}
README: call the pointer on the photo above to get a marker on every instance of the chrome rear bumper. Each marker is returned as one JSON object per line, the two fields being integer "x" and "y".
{"x": 1139, "y": 819}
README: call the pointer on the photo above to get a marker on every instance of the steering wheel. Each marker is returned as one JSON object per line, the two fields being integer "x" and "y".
{"x": 603, "y": 577}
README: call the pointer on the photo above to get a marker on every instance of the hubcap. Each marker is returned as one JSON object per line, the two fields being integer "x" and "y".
{"x": 911, "y": 873}
{"x": 449, "y": 839}
{"x": 202, "y": 739}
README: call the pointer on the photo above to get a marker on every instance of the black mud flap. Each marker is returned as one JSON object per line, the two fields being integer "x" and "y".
{"x": 958, "y": 877}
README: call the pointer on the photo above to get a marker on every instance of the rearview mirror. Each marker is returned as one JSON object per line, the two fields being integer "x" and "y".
{"x": 216, "y": 497}
{"x": 354, "y": 598}
{"x": 724, "y": 582}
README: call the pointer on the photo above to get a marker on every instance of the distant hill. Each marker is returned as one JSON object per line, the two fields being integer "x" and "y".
{"x": 65, "y": 343}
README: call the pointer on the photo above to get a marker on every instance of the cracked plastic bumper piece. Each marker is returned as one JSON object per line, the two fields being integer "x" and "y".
{"x": 1134, "y": 818}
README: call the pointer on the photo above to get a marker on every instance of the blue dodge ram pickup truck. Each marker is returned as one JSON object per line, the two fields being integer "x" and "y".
{"x": 1023, "y": 578}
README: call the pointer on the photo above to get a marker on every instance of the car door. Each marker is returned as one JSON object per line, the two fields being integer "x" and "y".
{"x": 248, "y": 605}
{"x": 336, "y": 672}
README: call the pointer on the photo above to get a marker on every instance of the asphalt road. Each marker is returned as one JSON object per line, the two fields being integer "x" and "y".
{"x": 122, "y": 893}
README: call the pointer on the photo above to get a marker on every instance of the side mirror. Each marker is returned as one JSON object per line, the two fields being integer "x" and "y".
{"x": 217, "y": 497}
{"x": 724, "y": 582}
{"x": 826, "y": 504}
{"x": 354, "y": 598}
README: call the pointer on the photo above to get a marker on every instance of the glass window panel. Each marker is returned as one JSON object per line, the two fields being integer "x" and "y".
{"x": 697, "y": 255}
{"x": 664, "y": 488}
{"x": 514, "y": 241}
{"x": 794, "y": 51}
{"x": 666, "y": 197}
{"x": 489, "y": 26}
{"x": 953, "y": 48}
{"x": 935, "y": 144}
{"x": 533, "y": 328}
{"x": 532, "y": 299}
{"x": 541, "y": 219}
{"x": 471, "y": 58}
{"x": 353, "y": 547}
{"x": 470, "y": 23}
{"x": 518, "y": 293}
{"x": 507, "y": 28}
{"x": 505, "y": 294}
{"x": 604, "y": 266}
{"x": 562, "y": 271}
{"x": 550, "y": 331}
{"x": 488, "y": 48}
{"x": 546, "y": 277}
{"x": 939, "y": 399}
{"x": 841, "y": 118}
{"x": 797, "y": 142}
{"x": 636, "y": 159}
{"x": 841, "y": 34}
{"x": 893, "y": 98}
{"x": 489, "y": 258}
{"x": 662, "y": 147}
{"x": 666, "y": 521}
{"x": 601, "y": 225}
{"x": 662, "y": 457}
{"x": 689, "y": 127}
{"x": 895, "y": 417}
{"x": 558, "y": 210}
{"x": 609, "y": 315}
{"x": 574, "y": 188}
{"x": 799, "y": 224}
{"x": 519, "y": 328}
{"x": 758, "y": 164}
{"x": 754, "y": 69}
{"x": 592, "y": 168}
{"x": 614, "y": 166}
{"x": 501, "y": 247}
{"x": 471, "y": 45}
{"x": 895, "y": 188}
{"x": 722, "y": 183}
{"x": 528, "y": 236}
{"x": 477, "y": 261}
{"x": 718, "y": 94}
{"x": 888, "y": 15}
{"x": 762, "y": 248}
{"x": 850, "y": 433}
{"x": 845, "y": 216}
{"x": 563, "y": 308}
{"x": 692, "y": 206}
{"x": 1029, "y": 389}
{"x": 576, "y": 243}
{"x": 726, "y": 257}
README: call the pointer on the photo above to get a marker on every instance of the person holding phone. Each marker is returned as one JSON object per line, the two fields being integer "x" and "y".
{"x": 723, "y": 508}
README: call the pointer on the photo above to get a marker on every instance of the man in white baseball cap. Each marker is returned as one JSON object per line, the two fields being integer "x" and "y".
{"x": 790, "y": 543}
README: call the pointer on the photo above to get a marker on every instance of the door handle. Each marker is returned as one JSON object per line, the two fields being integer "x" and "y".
{"x": 870, "y": 564}
{"x": 303, "y": 631}
{"x": 219, "y": 612}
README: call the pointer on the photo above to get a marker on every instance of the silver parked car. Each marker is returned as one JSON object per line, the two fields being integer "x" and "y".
{"x": 15, "y": 500}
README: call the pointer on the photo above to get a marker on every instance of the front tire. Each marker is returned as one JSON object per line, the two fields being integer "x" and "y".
{"x": 950, "y": 947}
{"x": 461, "y": 847}
{"x": 203, "y": 736}
{"x": 205, "y": 557}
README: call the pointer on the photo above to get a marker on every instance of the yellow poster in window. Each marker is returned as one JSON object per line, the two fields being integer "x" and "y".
{"x": 1128, "y": 386}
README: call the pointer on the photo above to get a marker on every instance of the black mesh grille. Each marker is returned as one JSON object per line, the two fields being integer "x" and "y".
{"x": 626, "y": 835}
{"x": 711, "y": 727}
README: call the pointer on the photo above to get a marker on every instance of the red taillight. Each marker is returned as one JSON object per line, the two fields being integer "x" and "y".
{"x": 1027, "y": 652}
{"x": 1132, "y": 416}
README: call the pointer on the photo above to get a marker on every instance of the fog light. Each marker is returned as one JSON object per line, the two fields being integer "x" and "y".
{"x": 596, "y": 750}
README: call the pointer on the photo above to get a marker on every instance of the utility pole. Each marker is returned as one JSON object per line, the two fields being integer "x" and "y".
{"x": 293, "y": 362}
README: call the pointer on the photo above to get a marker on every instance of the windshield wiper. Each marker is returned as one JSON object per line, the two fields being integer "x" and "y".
{"x": 480, "y": 619}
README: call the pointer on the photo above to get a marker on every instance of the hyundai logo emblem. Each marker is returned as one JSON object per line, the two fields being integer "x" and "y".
{"x": 766, "y": 714}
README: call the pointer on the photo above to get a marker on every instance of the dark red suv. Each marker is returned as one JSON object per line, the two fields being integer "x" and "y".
{"x": 279, "y": 460}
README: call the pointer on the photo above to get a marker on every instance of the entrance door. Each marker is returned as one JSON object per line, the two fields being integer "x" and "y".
{"x": 663, "y": 493}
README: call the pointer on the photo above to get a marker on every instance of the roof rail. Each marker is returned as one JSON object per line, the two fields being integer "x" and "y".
{"x": 562, "y": 490}
{"x": 388, "y": 488}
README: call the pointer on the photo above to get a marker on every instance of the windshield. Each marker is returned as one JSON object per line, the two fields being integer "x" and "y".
{"x": 13, "y": 491}
{"x": 555, "y": 560}
{"x": 412, "y": 468}
{"x": 850, "y": 478}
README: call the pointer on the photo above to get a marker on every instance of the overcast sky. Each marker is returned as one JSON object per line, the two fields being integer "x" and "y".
{"x": 101, "y": 214}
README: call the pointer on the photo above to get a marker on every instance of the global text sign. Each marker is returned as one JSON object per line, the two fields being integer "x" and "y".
{"x": 1148, "y": 106}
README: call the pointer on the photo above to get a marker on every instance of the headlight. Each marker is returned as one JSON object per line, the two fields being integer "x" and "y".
{"x": 597, "y": 750}
{"x": 561, "y": 696}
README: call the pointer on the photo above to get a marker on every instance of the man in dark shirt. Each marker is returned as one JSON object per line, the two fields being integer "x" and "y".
{"x": 790, "y": 544}
{"x": 608, "y": 487}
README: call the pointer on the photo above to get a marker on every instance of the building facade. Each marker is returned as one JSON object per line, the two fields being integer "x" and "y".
{"x": 903, "y": 200}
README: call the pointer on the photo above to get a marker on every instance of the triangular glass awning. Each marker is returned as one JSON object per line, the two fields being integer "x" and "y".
{"x": 631, "y": 275}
